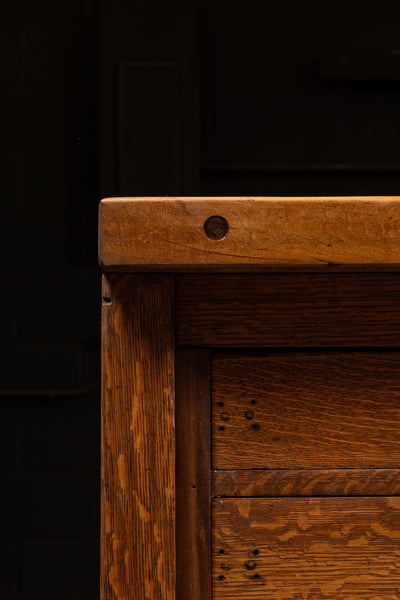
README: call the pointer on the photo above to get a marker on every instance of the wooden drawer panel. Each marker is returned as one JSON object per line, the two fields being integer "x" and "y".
{"x": 306, "y": 410}
{"x": 306, "y": 548}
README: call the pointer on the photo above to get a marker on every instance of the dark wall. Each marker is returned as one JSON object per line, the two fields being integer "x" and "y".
{"x": 108, "y": 97}
{"x": 49, "y": 388}
{"x": 299, "y": 99}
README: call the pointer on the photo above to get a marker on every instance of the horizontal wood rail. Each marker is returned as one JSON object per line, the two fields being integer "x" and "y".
{"x": 302, "y": 482}
{"x": 273, "y": 309}
{"x": 249, "y": 234}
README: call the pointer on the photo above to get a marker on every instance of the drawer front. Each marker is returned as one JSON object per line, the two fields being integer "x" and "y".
{"x": 306, "y": 410}
{"x": 306, "y": 548}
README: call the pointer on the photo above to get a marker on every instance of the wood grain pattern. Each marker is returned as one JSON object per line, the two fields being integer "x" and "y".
{"x": 309, "y": 409}
{"x": 313, "y": 309}
{"x": 306, "y": 548}
{"x": 167, "y": 233}
{"x": 193, "y": 481}
{"x": 138, "y": 443}
{"x": 314, "y": 482}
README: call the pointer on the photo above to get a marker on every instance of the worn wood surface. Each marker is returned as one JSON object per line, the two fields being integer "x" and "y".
{"x": 193, "y": 481}
{"x": 306, "y": 548}
{"x": 306, "y": 409}
{"x": 300, "y": 482}
{"x": 138, "y": 445}
{"x": 167, "y": 233}
{"x": 319, "y": 309}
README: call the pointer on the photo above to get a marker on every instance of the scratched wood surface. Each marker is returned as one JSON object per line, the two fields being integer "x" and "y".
{"x": 306, "y": 548}
{"x": 138, "y": 445}
{"x": 193, "y": 481}
{"x": 300, "y": 482}
{"x": 170, "y": 233}
{"x": 296, "y": 309}
{"x": 306, "y": 410}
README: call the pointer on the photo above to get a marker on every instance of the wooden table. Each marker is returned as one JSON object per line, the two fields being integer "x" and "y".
{"x": 251, "y": 398}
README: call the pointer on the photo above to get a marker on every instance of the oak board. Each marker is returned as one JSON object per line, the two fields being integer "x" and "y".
{"x": 193, "y": 477}
{"x": 296, "y": 309}
{"x": 261, "y": 232}
{"x": 301, "y": 482}
{"x": 307, "y": 409}
{"x": 138, "y": 495}
{"x": 306, "y": 548}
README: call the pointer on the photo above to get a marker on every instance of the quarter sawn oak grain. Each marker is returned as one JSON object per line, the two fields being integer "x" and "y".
{"x": 168, "y": 233}
{"x": 306, "y": 410}
{"x": 138, "y": 439}
{"x": 296, "y": 309}
{"x": 306, "y": 548}
{"x": 193, "y": 481}
{"x": 316, "y": 482}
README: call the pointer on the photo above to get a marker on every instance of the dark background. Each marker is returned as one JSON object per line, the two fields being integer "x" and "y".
{"x": 107, "y": 97}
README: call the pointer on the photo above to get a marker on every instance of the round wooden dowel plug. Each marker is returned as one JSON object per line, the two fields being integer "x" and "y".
{"x": 216, "y": 228}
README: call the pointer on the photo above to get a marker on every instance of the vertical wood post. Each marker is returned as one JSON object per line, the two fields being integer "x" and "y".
{"x": 193, "y": 462}
{"x": 138, "y": 438}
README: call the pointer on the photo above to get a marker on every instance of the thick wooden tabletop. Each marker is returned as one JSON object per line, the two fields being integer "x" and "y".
{"x": 248, "y": 234}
